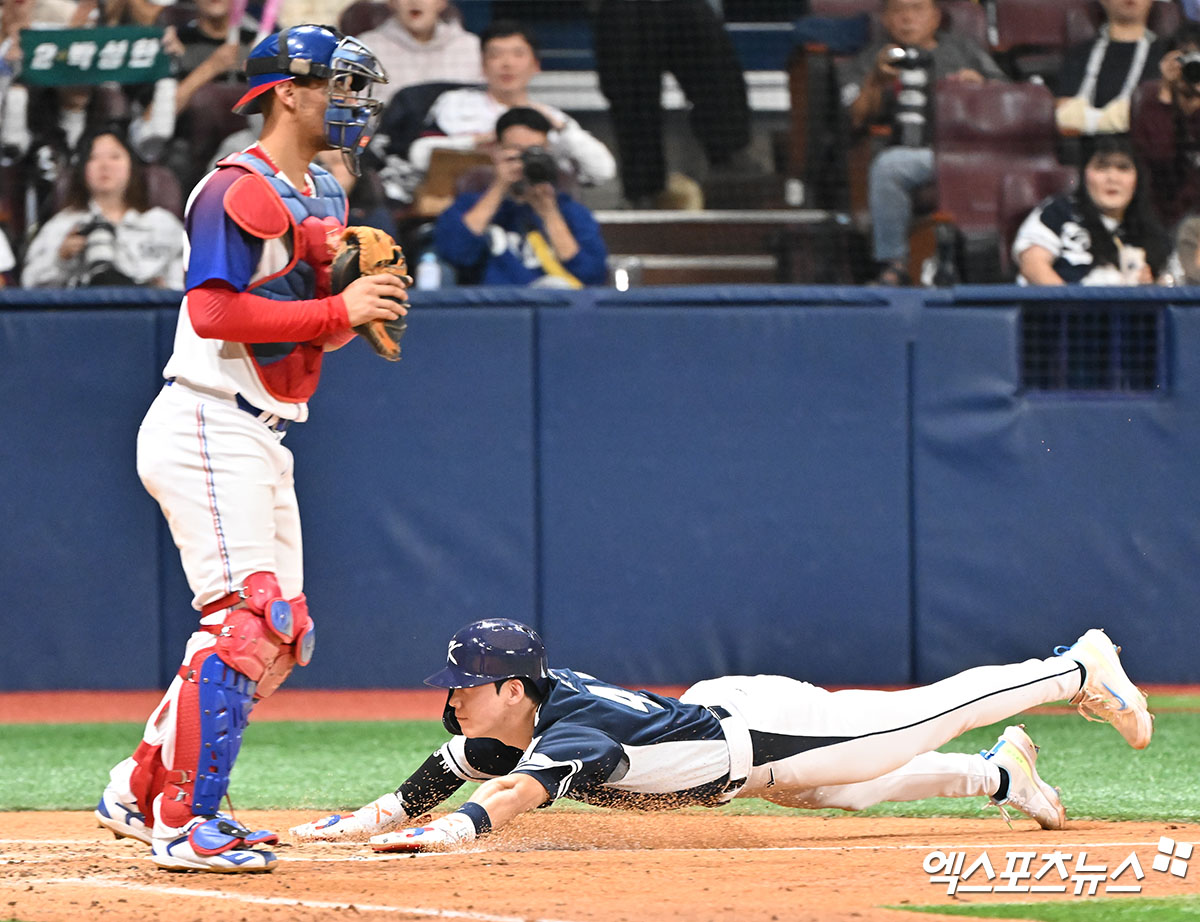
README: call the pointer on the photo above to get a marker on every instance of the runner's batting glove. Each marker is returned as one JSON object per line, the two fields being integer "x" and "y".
{"x": 440, "y": 835}
{"x": 378, "y": 816}
{"x": 370, "y": 251}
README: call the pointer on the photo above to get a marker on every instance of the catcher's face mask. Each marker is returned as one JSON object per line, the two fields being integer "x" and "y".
{"x": 352, "y": 113}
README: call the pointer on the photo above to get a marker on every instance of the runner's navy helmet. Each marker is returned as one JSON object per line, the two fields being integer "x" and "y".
{"x": 490, "y": 650}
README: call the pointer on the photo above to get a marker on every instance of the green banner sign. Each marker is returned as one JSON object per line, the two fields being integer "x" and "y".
{"x": 75, "y": 57}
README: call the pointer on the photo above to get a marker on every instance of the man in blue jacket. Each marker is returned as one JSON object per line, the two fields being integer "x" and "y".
{"x": 522, "y": 230}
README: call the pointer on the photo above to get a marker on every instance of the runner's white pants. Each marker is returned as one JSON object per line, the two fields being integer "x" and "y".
{"x": 854, "y": 748}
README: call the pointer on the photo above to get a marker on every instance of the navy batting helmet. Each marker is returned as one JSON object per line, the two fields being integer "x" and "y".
{"x": 491, "y": 650}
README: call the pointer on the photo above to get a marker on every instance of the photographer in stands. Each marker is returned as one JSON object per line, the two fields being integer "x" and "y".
{"x": 106, "y": 233}
{"x": 522, "y": 229}
{"x": 1166, "y": 129}
{"x": 892, "y": 82}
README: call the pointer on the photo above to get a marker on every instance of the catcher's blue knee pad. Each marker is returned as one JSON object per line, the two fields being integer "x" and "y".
{"x": 226, "y": 697}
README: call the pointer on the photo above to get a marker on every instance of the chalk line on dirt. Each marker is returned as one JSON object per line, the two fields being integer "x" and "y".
{"x": 272, "y": 900}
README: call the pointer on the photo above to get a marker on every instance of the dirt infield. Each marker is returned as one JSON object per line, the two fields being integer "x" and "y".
{"x": 551, "y": 866}
{"x": 567, "y": 867}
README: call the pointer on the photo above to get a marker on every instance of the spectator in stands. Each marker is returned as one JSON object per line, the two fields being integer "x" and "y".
{"x": 1102, "y": 234}
{"x": 465, "y": 119}
{"x": 58, "y": 120}
{"x": 424, "y": 42}
{"x": 366, "y": 203}
{"x": 522, "y": 230}
{"x": 1098, "y": 77}
{"x": 7, "y": 261}
{"x": 204, "y": 54}
{"x": 107, "y": 232}
{"x": 1186, "y": 260}
{"x": 892, "y": 82}
{"x": 1166, "y": 129}
{"x": 636, "y": 41}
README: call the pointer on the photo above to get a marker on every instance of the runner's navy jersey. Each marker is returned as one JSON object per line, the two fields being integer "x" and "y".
{"x": 606, "y": 745}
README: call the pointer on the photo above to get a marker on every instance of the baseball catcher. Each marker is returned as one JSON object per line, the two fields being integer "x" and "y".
{"x": 259, "y": 314}
{"x": 532, "y": 734}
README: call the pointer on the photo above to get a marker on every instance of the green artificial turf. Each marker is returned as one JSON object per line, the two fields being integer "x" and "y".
{"x": 328, "y": 766}
{"x": 1166, "y": 909}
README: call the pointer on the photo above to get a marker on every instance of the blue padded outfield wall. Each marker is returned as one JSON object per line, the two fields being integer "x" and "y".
{"x": 845, "y": 485}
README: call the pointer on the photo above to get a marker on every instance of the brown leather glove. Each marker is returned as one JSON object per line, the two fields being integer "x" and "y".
{"x": 370, "y": 251}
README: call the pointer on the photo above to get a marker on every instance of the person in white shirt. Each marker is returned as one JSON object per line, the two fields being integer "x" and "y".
{"x": 1104, "y": 233}
{"x": 465, "y": 119}
{"x": 424, "y": 42}
{"x": 107, "y": 233}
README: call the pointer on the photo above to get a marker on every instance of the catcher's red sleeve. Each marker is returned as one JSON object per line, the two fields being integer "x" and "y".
{"x": 219, "y": 311}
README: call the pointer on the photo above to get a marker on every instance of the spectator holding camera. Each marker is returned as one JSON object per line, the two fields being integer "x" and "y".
{"x": 106, "y": 233}
{"x": 893, "y": 82}
{"x": 465, "y": 119}
{"x": 1166, "y": 129}
{"x": 1105, "y": 233}
{"x": 521, "y": 230}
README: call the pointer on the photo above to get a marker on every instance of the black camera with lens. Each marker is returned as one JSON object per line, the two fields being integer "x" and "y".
{"x": 1189, "y": 64}
{"x": 909, "y": 57}
{"x": 99, "y": 256}
{"x": 538, "y": 165}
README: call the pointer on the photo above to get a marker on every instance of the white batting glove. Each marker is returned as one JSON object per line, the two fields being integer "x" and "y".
{"x": 440, "y": 835}
{"x": 377, "y": 816}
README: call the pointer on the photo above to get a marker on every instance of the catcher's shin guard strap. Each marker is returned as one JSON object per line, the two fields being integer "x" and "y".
{"x": 218, "y": 835}
{"x": 226, "y": 697}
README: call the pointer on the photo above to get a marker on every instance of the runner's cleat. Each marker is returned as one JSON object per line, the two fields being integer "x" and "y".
{"x": 1107, "y": 694}
{"x": 1016, "y": 753}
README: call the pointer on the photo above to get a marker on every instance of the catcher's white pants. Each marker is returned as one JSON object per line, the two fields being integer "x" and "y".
{"x": 855, "y": 748}
{"x": 224, "y": 483}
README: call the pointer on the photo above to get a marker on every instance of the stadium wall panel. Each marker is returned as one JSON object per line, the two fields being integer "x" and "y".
{"x": 845, "y": 485}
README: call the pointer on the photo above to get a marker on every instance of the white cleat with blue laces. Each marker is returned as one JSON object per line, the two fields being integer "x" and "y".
{"x": 1107, "y": 694}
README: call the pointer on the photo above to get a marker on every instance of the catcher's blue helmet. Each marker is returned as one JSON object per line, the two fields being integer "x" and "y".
{"x": 324, "y": 53}
{"x": 491, "y": 650}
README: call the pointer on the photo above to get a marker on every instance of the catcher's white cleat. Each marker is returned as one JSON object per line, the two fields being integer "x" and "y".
{"x": 1107, "y": 694}
{"x": 216, "y": 844}
{"x": 122, "y": 819}
{"x": 1016, "y": 753}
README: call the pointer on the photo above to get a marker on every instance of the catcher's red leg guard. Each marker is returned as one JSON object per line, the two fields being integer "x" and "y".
{"x": 299, "y": 652}
{"x": 148, "y": 777}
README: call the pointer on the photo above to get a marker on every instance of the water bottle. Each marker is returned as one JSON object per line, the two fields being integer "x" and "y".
{"x": 429, "y": 271}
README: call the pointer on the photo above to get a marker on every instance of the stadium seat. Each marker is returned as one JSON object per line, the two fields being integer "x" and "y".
{"x": 843, "y": 7}
{"x": 983, "y": 133}
{"x": 1032, "y": 35}
{"x": 1020, "y": 192}
{"x": 208, "y": 119}
{"x": 163, "y": 189}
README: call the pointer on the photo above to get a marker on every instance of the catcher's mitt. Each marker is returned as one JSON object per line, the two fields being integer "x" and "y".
{"x": 370, "y": 251}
